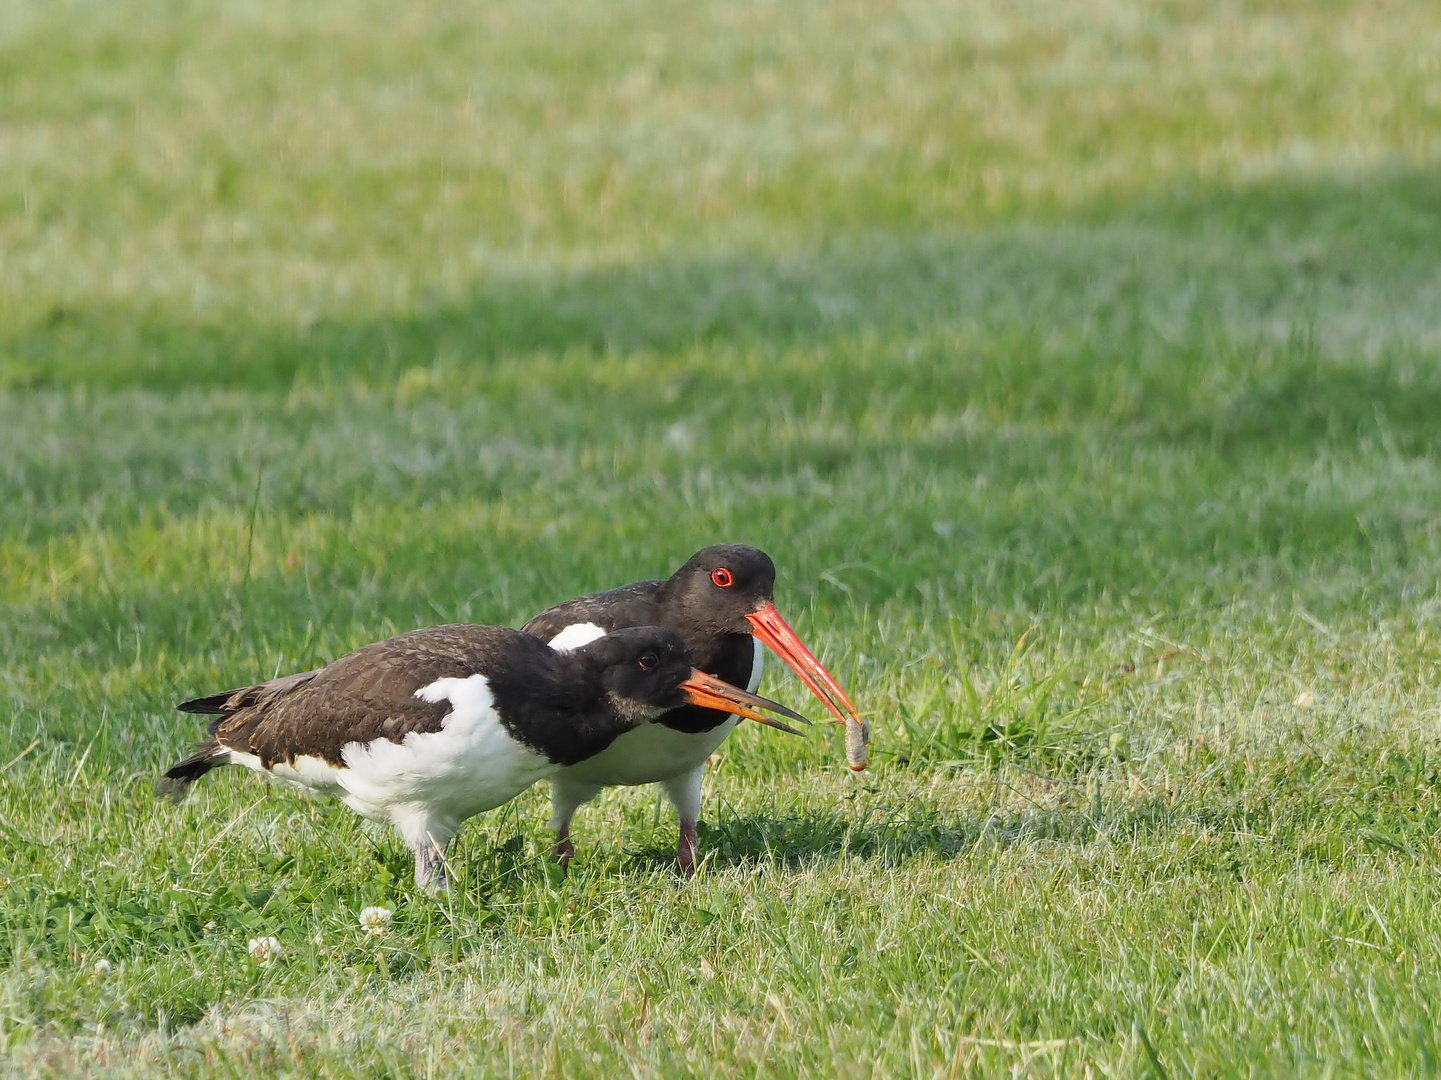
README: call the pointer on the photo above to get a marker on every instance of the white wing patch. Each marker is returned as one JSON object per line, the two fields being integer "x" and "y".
{"x": 575, "y": 635}
{"x": 470, "y": 694}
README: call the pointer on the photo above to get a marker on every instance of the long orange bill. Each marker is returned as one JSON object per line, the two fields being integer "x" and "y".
{"x": 773, "y": 631}
{"x": 713, "y": 693}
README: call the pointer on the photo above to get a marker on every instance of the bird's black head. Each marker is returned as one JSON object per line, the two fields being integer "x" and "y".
{"x": 646, "y": 671}
{"x": 641, "y": 670}
{"x": 730, "y": 589}
{"x": 721, "y": 585}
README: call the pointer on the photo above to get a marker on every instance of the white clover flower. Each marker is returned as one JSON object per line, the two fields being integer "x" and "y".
{"x": 265, "y": 949}
{"x": 376, "y": 920}
{"x": 101, "y": 968}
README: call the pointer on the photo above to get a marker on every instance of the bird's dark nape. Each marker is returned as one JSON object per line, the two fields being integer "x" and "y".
{"x": 177, "y": 779}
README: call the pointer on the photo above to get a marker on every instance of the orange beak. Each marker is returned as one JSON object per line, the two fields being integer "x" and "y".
{"x": 773, "y": 631}
{"x": 712, "y": 693}
{"x": 782, "y": 640}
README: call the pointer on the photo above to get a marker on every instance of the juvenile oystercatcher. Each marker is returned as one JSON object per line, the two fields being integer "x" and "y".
{"x": 431, "y": 727}
{"x": 721, "y": 604}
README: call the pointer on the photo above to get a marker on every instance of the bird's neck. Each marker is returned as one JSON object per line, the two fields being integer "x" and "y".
{"x": 575, "y": 719}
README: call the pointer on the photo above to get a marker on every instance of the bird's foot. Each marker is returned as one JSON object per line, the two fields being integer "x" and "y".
{"x": 438, "y": 884}
{"x": 430, "y": 872}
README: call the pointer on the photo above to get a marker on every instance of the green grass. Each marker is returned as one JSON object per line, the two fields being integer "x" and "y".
{"x": 1079, "y": 364}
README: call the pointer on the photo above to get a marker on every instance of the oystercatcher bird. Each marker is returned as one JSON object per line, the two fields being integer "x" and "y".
{"x": 721, "y": 604}
{"x": 432, "y": 727}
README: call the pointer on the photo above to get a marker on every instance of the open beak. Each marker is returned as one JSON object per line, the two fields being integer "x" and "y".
{"x": 712, "y": 693}
{"x": 773, "y": 631}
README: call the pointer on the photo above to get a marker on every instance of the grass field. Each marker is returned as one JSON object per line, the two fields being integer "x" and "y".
{"x": 1079, "y": 364}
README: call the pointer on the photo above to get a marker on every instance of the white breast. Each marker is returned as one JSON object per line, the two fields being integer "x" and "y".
{"x": 649, "y": 754}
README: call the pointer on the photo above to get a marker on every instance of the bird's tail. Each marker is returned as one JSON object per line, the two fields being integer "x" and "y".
{"x": 214, "y": 704}
{"x": 178, "y": 778}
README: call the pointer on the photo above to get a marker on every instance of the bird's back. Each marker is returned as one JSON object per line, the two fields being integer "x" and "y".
{"x": 614, "y": 609}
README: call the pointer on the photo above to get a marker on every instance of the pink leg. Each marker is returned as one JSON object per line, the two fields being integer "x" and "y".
{"x": 565, "y": 797}
{"x": 684, "y": 792}
{"x": 686, "y": 849}
{"x": 564, "y": 849}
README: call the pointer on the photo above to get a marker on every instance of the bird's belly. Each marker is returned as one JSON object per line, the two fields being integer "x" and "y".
{"x": 647, "y": 755}
{"x": 470, "y": 765}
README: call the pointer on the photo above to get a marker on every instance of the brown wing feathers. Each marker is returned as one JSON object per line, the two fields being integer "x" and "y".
{"x": 366, "y": 695}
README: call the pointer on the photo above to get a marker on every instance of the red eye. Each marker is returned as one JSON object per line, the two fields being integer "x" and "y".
{"x": 722, "y": 577}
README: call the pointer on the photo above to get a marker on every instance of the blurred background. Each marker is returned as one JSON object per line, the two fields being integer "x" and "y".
{"x": 962, "y": 309}
{"x": 250, "y": 195}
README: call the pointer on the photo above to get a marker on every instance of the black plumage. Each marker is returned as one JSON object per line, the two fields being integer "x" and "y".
{"x": 532, "y": 711}
{"x": 718, "y": 603}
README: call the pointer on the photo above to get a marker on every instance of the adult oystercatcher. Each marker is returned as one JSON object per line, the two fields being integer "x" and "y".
{"x": 431, "y": 727}
{"x": 721, "y": 603}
